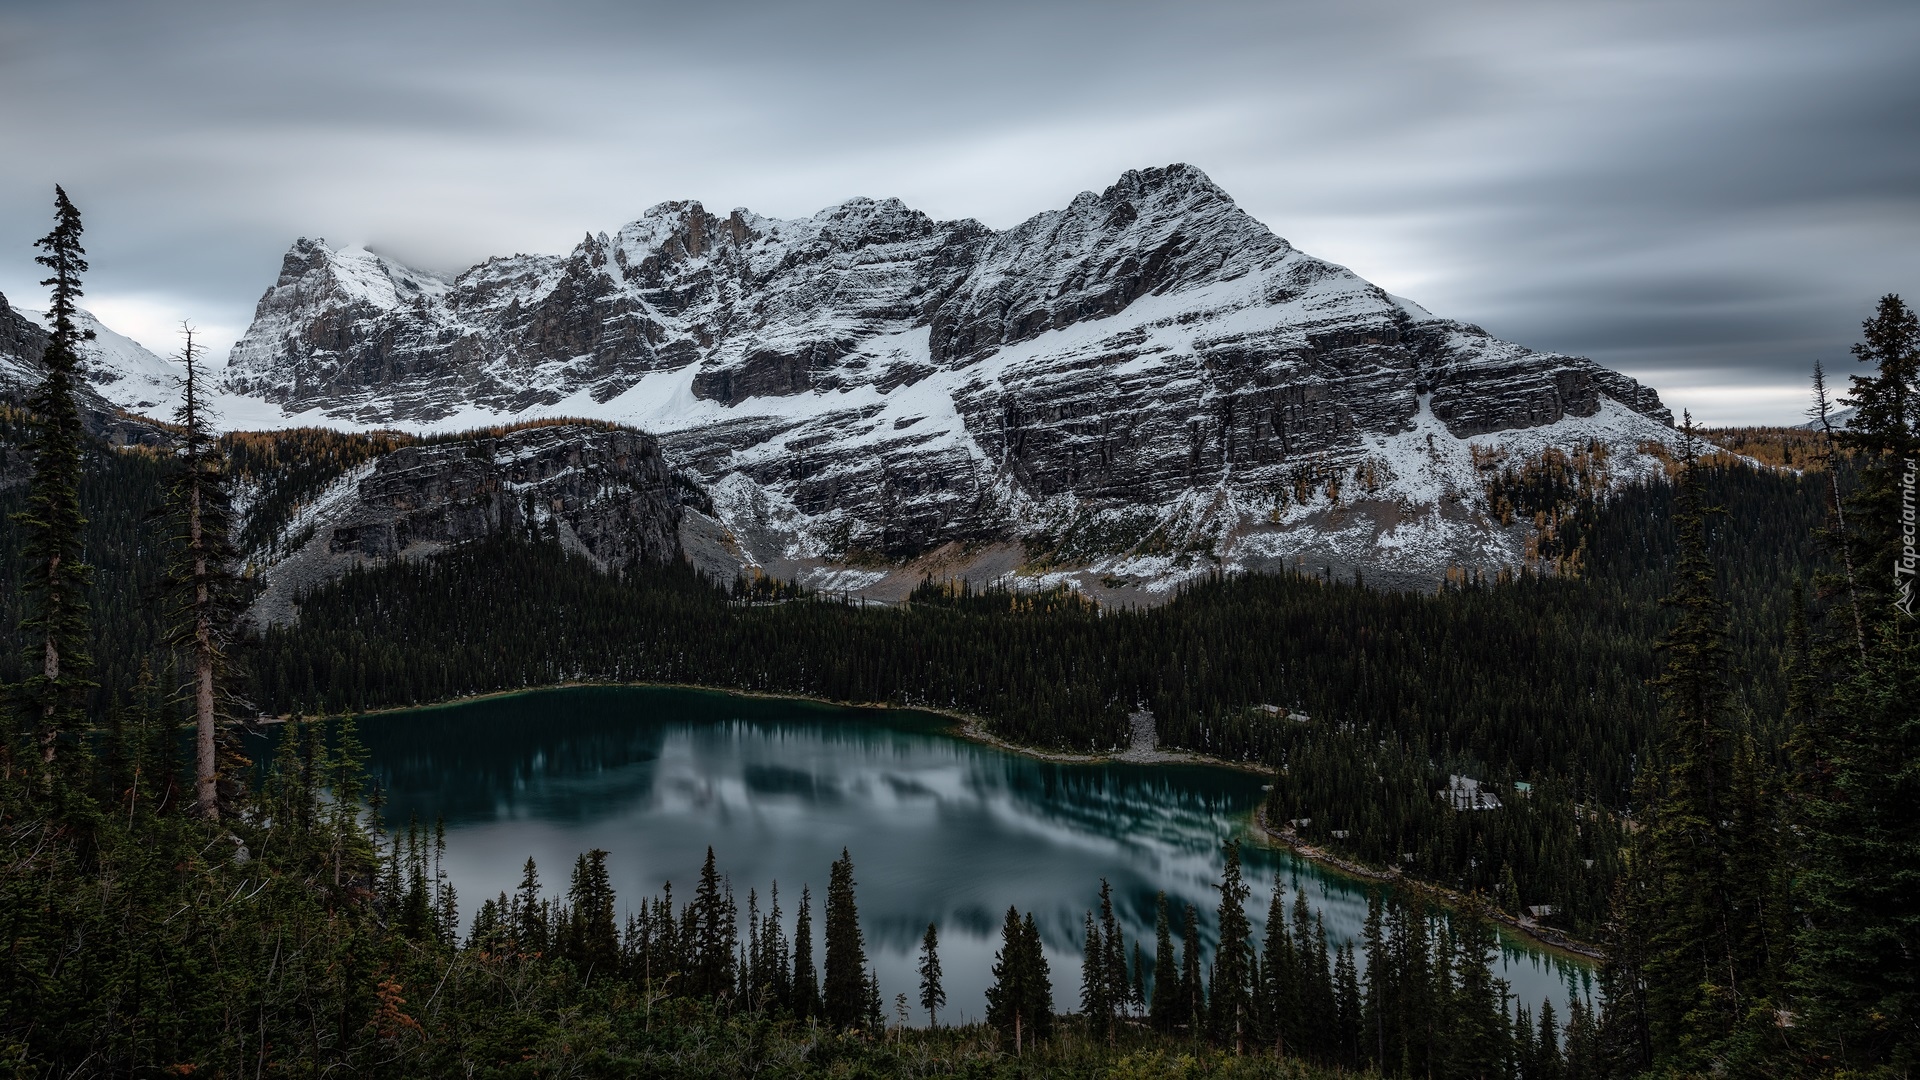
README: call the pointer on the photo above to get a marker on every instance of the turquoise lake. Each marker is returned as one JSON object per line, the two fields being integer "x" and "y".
{"x": 941, "y": 829}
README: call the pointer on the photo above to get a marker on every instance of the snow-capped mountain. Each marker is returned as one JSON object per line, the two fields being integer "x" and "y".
{"x": 125, "y": 372}
{"x": 1145, "y": 384}
{"x": 119, "y": 377}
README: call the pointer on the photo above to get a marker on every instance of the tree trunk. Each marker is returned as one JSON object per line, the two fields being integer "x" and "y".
{"x": 206, "y": 764}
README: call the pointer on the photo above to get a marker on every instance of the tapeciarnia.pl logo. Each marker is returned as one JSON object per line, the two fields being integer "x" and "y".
{"x": 1905, "y": 566}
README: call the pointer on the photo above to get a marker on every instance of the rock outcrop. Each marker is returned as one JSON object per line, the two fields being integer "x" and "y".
{"x": 1142, "y": 384}
{"x": 603, "y": 491}
{"x": 117, "y": 376}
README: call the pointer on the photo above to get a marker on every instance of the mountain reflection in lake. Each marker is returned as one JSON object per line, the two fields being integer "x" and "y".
{"x": 941, "y": 830}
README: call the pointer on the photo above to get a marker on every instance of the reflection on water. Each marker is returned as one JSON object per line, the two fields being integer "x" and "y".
{"x": 941, "y": 829}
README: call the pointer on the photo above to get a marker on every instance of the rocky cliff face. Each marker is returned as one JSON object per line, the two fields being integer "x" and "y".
{"x": 605, "y": 492}
{"x": 1141, "y": 384}
{"x": 118, "y": 375}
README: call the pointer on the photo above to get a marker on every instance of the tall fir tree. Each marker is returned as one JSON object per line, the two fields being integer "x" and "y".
{"x": 1856, "y": 980}
{"x": 54, "y": 623}
{"x": 595, "y": 940}
{"x": 1192, "y": 1009}
{"x": 1163, "y": 1008}
{"x": 714, "y": 960}
{"x": 844, "y": 989}
{"x": 806, "y": 977}
{"x": 1233, "y": 963}
{"x": 1020, "y": 1000}
{"x": 1884, "y": 435}
{"x": 933, "y": 993}
{"x": 203, "y": 586}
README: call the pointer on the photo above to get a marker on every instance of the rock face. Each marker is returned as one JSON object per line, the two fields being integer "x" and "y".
{"x": 1144, "y": 378}
{"x": 604, "y": 491}
{"x": 118, "y": 375}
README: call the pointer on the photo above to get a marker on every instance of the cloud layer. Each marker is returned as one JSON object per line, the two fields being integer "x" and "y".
{"x": 1707, "y": 195}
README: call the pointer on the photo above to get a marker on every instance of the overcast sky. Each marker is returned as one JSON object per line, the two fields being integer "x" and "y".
{"x": 1708, "y": 195}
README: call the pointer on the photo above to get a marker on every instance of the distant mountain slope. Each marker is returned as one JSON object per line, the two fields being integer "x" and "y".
{"x": 119, "y": 377}
{"x": 1143, "y": 385}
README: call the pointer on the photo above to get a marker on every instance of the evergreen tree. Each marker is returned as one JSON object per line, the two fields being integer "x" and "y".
{"x": 844, "y": 989}
{"x": 1020, "y": 1001}
{"x": 806, "y": 978}
{"x": 1233, "y": 964}
{"x": 1699, "y": 978}
{"x": 595, "y": 939}
{"x": 714, "y": 967}
{"x": 1113, "y": 945}
{"x": 1882, "y": 435}
{"x": 1857, "y": 752}
{"x": 1280, "y": 976}
{"x": 1095, "y": 1005}
{"x": 1192, "y": 1009}
{"x": 933, "y": 995}
{"x": 55, "y": 619}
{"x": 203, "y": 586}
{"x": 1479, "y": 1012}
{"x": 1546, "y": 1047}
{"x": 1164, "y": 1007}
{"x": 1350, "y": 1012}
{"x": 530, "y": 913}
{"x": 1380, "y": 1005}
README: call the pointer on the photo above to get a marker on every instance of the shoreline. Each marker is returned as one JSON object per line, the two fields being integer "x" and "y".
{"x": 973, "y": 729}
{"x": 962, "y": 725}
{"x": 1548, "y": 939}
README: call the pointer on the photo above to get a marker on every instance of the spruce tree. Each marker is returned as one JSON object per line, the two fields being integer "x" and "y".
{"x": 530, "y": 913}
{"x": 806, "y": 977}
{"x": 1857, "y": 895}
{"x": 1884, "y": 434}
{"x": 595, "y": 939}
{"x": 54, "y": 623}
{"x": 1192, "y": 1009}
{"x": 714, "y": 963}
{"x": 933, "y": 995}
{"x": 1688, "y": 905}
{"x": 1095, "y": 1005}
{"x": 203, "y": 586}
{"x": 1113, "y": 944}
{"x": 1163, "y": 1009}
{"x": 1020, "y": 1001}
{"x": 844, "y": 989}
{"x": 1233, "y": 964}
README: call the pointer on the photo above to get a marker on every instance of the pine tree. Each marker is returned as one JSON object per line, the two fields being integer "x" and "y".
{"x": 595, "y": 939}
{"x": 1380, "y": 1004}
{"x": 1698, "y": 979}
{"x": 1857, "y": 752}
{"x": 1192, "y": 1009}
{"x": 203, "y": 586}
{"x": 1883, "y": 436}
{"x": 1233, "y": 964}
{"x": 1113, "y": 944}
{"x": 530, "y": 913}
{"x": 1350, "y": 1012}
{"x": 55, "y": 619}
{"x": 844, "y": 990}
{"x": 1020, "y": 1001}
{"x": 933, "y": 996}
{"x": 1164, "y": 1007}
{"x": 1479, "y": 1012}
{"x": 806, "y": 978}
{"x": 714, "y": 964}
{"x": 1095, "y": 1005}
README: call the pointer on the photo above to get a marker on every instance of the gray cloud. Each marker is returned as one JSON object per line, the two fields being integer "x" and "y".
{"x": 1706, "y": 194}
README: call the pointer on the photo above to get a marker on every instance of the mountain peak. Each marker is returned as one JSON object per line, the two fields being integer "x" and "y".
{"x": 1148, "y": 360}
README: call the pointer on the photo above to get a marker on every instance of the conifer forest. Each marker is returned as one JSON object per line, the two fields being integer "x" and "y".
{"x": 1701, "y": 709}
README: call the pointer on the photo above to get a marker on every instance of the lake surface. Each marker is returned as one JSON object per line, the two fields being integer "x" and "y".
{"x": 941, "y": 829}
